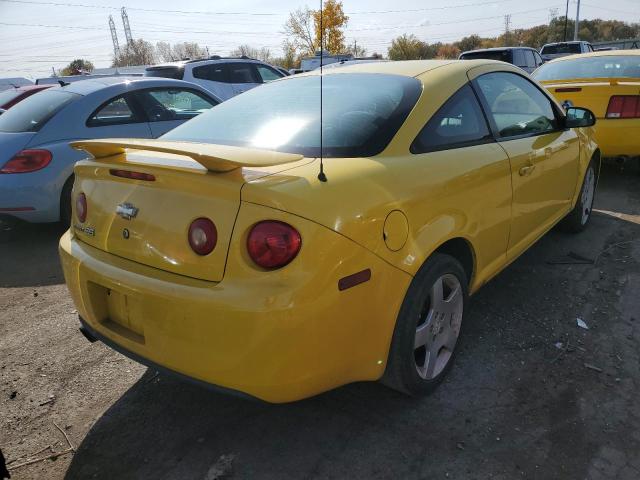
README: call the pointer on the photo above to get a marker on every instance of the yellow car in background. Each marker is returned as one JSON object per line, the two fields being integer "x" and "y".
{"x": 608, "y": 84}
{"x": 280, "y": 250}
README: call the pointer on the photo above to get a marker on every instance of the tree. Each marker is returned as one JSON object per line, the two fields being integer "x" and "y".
{"x": 408, "y": 47}
{"x": 138, "y": 52}
{"x": 300, "y": 31}
{"x": 304, "y": 33}
{"x": 263, "y": 53}
{"x": 78, "y": 66}
{"x": 448, "y": 51}
{"x": 166, "y": 52}
{"x": 328, "y": 25}
{"x": 472, "y": 42}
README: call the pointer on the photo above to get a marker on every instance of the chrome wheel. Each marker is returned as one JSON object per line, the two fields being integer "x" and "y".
{"x": 588, "y": 191}
{"x": 438, "y": 326}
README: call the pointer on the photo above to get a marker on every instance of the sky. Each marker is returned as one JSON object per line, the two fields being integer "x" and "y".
{"x": 36, "y": 35}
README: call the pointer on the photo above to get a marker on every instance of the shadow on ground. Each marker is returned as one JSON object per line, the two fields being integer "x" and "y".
{"x": 29, "y": 254}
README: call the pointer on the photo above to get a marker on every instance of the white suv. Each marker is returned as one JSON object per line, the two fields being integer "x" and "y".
{"x": 224, "y": 77}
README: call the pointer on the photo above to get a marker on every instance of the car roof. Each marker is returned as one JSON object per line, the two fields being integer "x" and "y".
{"x": 603, "y": 53}
{"x": 408, "y": 68}
{"x": 182, "y": 63}
{"x": 564, "y": 43}
{"x": 85, "y": 87}
{"x": 497, "y": 49}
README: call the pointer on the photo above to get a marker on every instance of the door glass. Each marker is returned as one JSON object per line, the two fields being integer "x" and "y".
{"x": 242, "y": 73}
{"x": 164, "y": 104}
{"x": 117, "y": 111}
{"x": 267, "y": 74}
{"x": 458, "y": 123}
{"x": 531, "y": 60}
{"x": 516, "y": 105}
{"x": 518, "y": 58}
{"x": 214, "y": 72}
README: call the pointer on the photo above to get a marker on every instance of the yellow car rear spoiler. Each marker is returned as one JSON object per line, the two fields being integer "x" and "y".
{"x": 216, "y": 158}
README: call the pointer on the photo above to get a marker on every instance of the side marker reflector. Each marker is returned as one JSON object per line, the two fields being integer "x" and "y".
{"x": 354, "y": 279}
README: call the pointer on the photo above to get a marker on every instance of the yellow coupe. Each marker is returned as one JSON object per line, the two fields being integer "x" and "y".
{"x": 607, "y": 83}
{"x": 228, "y": 252}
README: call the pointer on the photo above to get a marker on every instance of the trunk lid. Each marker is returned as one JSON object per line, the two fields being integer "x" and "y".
{"x": 147, "y": 221}
{"x": 593, "y": 94}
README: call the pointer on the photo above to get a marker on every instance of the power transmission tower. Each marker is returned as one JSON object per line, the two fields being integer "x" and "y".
{"x": 553, "y": 13}
{"x": 127, "y": 28}
{"x": 507, "y": 24}
{"x": 114, "y": 37}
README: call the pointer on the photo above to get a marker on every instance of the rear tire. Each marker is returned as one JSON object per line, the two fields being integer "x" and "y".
{"x": 428, "y": 327}
{"x": 65, "y": 202}
{"x": 578, "y": 218}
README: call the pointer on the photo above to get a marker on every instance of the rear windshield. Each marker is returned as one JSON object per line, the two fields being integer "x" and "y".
{"x": 560, "y": 48}
{"x": 361, "y": 113}
{"x": 502, "y": 55}
{"x": 32, "y": 113}
{"x": 609, "y": 66}
{"x": 9, "y": 95}
{"x": 165, "y": 72}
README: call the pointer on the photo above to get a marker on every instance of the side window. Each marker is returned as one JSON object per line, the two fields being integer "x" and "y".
{"x": 518, "y": 58}
{"x": 163, "y": 104}
{"x": 242, "y": 73}
{"x": 215, "y": 72}
{"x": 531, "y": 60}
{"x": 116, "y": 111}
{"x": 267, "y": 73}
{"x": 538, "y": 59}
{"x": 516, "y": 105}
{"x": 458, "y": 123}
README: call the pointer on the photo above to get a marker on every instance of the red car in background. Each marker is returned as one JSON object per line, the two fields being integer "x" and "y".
{"x": 8, "y": 98}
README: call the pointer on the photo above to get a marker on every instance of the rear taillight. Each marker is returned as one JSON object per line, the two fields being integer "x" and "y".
{"x": 27, "y": 161}
{"x": 624, "y": 106}
{"x": 203, "y": 236}
{"x": 81, "y": 207}
{"x": 272, "y": 244}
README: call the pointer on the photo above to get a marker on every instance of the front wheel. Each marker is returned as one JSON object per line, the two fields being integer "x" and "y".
{"x": 428, "y": 327}
{"x": 579, "y": 217}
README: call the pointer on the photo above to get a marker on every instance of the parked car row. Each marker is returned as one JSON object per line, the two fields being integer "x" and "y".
{"x": 528, "y": 58}
{"x": 270, "y": 247}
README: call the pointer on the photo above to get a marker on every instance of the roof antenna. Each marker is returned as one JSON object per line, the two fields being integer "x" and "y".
{"x": 321, "y": 176}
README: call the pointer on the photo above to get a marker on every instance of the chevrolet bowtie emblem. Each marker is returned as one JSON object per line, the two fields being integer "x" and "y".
{"x": 126, "y": 211}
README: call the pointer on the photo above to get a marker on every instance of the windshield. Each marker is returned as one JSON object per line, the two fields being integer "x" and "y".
{"x": 361, "y": 113}
{"x": 9, "y": 95}
{"x": 32, "y": 113}
{"x": 560, "y": 48}
{"x": 502, "y": 55}
{"x": 609, "y": 66}
{"x": 165, "y": 72}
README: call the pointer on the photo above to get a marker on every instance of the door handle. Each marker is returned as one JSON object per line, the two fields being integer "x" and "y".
{"x": 526, "y": 170}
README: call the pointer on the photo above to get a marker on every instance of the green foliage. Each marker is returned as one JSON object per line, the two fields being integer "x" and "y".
{"x": 78, "y": 67}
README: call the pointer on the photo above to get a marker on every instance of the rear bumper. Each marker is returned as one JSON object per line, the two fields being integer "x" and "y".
{"x": 279, "y": 336}
{"x": 618, "y": 137}
{"x": 29, "y": 197}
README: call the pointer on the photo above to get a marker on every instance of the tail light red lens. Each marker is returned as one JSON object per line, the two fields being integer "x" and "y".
{"x": 81, "y": 207}
{"x": 27, "y": 161}
{"x": 203, "y": 236}
{"x": 272, "y": 244}
{"x": 624, "y": 106}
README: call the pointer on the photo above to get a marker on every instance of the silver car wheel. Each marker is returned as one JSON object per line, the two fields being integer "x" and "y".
{"x": 438, "y": 327}
{"x": 588, "y": 191}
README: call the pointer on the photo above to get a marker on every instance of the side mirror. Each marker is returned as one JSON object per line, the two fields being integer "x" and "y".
{"x": 579, "y": 117}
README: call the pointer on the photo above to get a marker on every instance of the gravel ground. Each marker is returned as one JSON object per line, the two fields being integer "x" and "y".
{"x": 531, "y": 396}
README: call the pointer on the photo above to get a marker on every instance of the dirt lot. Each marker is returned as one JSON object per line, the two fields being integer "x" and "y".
{"x": 514, "y": 406}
